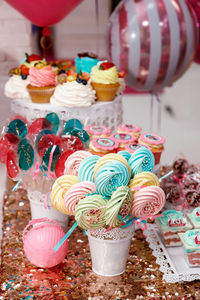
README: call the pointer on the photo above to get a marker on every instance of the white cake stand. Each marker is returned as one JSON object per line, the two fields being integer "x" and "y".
{"x": 101, "y": 113}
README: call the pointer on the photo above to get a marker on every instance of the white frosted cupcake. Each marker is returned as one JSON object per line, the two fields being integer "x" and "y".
{"x": 74, "y": 94}
{"x": 15, "y": 87}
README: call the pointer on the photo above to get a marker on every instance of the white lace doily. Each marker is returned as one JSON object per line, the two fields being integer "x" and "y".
{"x": 171, "y": 260}
{"x": 113, "y": 234}
{"x": 36, "y": 196}
{"x": 101, "y": 113}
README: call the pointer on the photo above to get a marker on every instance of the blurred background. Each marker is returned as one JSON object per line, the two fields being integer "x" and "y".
{"x": 78, "y": 32}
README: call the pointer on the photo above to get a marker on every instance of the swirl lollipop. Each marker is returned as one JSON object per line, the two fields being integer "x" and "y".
{"x": 148, "y": 201}
{"x": 86, "y": 168}
{"x": 141, "y": 160}
{"x": 59, "y": 189}
{"x": 76, "y": 193}
{"x": 120, "y": 203}
{"x": 143, "y": 179}
{"x": 90, "y": 212}
{"x": 73, "y": 162}
{"x": 110, "y": 158}
{"x": 110, "y": 177}
{"x": 125, "y": 154}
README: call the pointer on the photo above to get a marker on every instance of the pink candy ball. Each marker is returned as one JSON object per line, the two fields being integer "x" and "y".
{"x": 40, "y": 240}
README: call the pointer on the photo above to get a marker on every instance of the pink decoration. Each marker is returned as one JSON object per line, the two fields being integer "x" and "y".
{"x": 40, "y": 240}
{"x": 154, "y": 42}
{"x": 42, "y": 77}
{"x": 45, "y": 12}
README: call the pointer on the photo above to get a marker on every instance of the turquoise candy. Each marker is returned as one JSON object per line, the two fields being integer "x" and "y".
{"x": 86, "y": 168}
{"x": 26, "y": 157}
{"x": 85, "y": 64}
{"x": 142, "y": 160}
{"x": 110, "y": 176}
{"x": 82, "y": 135}
{"x": 21, "y": 145}
{"x": 54, "y": 120}
{"x": 72, "y": 124}
{"x": 125, "y": 154}
{"x": 18, "y": 128}
{"x": 56, "y": 154}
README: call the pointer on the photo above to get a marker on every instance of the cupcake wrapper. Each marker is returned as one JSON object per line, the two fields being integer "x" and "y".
{"x": 41, "y": 95}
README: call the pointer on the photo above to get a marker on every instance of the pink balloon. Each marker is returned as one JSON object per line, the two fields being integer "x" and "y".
{"x": 44, "y": 12}
{"x": 153, "y": 41}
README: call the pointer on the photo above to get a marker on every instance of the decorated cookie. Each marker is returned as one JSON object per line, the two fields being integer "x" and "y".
{"x": 152, "y": 139}
{"x": 105, "y": 144}
{"x": 131, "y": 148}
{"x": 130, "y": 129}
{"x": 123, "y": 139}
{"x": 97, "y": 130}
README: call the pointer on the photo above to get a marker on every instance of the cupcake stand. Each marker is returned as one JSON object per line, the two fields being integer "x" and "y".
{"x": 109, "y": 114}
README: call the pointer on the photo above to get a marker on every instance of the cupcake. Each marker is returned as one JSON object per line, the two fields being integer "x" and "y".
{"x": 96, "y": 131}
{"x": 155, "y": 142}
{"x": 42, "y": 83}
{"x": 75, "y": 92}
{"x": 15, "y": 87}
{"x": 105, "y": 81}
{"x": 123, "y": 139}
{"x": 85, "y": 61}
{"x": 129, "y": 129}
{"x": 103, "y": 145}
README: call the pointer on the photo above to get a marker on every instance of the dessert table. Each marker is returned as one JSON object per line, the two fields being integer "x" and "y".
{"x": 74, "y": 279}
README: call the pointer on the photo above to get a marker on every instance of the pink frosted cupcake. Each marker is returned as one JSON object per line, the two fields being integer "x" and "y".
{"x": 129, "y": 129}
{"x": 96, "y": 131}
{"x": 103, "y": 145}
{"x": 131, "y": 148}
{"x": 42, "y": 83}
{"x": 123, "y": 139}
{"x": 155, "y": 142}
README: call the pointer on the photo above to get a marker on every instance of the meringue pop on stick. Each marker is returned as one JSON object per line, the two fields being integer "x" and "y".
{"x": 76, "y": 193}
{"x": 59, "y": 189}
{"x": 90, "y": 212}
{"x": 148, "y": 201}
{"x": 119, "y": 206}
{"x": 143, "y": 179}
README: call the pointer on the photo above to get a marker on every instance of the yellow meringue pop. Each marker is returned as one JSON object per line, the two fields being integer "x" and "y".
{"x": 59, "y": 189}
{"x": 143, "y": 179}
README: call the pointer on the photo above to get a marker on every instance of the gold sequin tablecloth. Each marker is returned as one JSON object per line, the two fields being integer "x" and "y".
{"x": 74, "y": 279}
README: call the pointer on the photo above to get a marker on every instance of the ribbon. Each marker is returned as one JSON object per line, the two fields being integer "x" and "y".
{"x": 159, "y": 112}
{"x": 17, "y": 185}
{"x": 97, "y": 24}
{"x": 65, "y": 237}
{"x": 49, "y": 173}
{"x": 37, "y": 170}
{"x": 166, "y": 175}
{"x": 182, "y": 205}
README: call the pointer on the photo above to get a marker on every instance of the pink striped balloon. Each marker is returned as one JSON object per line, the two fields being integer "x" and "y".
{"x": 153, "y": 41}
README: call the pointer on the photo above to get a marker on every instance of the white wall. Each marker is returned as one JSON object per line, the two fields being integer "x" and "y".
{"x": 78, "y": 31}
{"x": 15, "y": 37}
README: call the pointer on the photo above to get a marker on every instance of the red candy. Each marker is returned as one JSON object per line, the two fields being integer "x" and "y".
{"x": 47, "y": 141}
{"x": 12, "y": 168}
{"x": 8, "y": 141}
{"x": 72, "y": 143}
{"x": 60, "y": 165}
{"x": 38, "y": 125}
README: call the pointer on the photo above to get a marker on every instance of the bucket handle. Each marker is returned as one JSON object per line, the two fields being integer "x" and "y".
{"x": 35, "y": 221}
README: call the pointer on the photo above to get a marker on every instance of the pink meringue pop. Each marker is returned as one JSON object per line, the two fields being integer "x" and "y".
{"x": 77, "y": 192}
{"x": 73, "y": 161}
{"x": 148, "y": 201}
